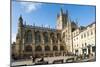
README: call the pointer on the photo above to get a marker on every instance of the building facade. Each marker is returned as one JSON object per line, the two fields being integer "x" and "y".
{"x": 84, "y": 40}
{"x": 47, "y": 42}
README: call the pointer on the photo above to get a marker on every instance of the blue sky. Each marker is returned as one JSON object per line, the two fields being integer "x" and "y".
{"x": 46, "y": 14}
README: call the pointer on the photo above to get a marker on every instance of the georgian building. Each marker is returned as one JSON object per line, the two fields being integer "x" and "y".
{"x": 84, "y": 40}
{"x": 42, "y": 41}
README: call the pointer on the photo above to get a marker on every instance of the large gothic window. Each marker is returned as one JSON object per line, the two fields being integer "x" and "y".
{"x": 29, "y": 36}
{"x": 28, "y": 48}
{"x": 45, "y": 37}
{"x": 47, "y": 48}
{"x": 52, "y": 37}
{"x": 37, "y": 37}
{"x": 38, "y": 48}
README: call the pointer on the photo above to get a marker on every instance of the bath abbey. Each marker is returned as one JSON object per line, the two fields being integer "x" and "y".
{"x": 68, "y": 38}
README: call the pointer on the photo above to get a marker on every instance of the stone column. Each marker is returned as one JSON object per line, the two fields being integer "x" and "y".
{"x": 17, "y": 48}
{"x": 58, "y": 47}
{"x": 59, "y": 44}
{"x": 90, "y": 51}
{"x": 33, "y": 36}
{"x": 55, "y": 36}
{"x": 54, "y": 53}
{"x": 42, "y": 41}
{"x": 86, "y": 50}
{"x": 48, "y": 37}
{"x": 41, "y": 36}
{"x": 22, "y": 47}
{"x": 50, "y": 41}
{"x": 33, "y": 42}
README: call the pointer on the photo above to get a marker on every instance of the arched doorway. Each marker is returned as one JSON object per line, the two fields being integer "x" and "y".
{"x": 38, "y": 48}
{"x": 38, "y": 51}
{"x": 28, "y": 51}
{"x": 55, "y": 48}
{"x": 47, "y": 48}
{"x": 28, "y": 48}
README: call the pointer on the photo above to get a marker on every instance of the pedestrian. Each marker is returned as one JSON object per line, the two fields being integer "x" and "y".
{"x": 33, "y": 58}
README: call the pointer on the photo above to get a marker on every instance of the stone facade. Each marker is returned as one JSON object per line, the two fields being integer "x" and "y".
{"x": 47, "y": 42}
{"x": 84, "y": 40}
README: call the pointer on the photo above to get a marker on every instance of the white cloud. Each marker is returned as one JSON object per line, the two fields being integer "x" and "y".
{"x": 30, "y": 6}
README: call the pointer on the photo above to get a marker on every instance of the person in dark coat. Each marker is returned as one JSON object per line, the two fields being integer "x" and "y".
{"x": 33, "y": 58}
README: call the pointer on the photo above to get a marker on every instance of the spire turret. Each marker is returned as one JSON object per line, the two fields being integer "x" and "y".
{"x": 20, "y": 21}
{"x": 61, "y": 11}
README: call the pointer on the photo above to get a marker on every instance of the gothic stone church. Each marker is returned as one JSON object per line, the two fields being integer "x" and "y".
{"x": 42, "y": 41}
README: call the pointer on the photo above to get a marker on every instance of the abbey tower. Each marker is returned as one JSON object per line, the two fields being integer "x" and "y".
{"x": 62, "y": 19}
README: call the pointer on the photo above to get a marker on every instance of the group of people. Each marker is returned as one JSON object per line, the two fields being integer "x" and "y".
{"x": 34, "y": 58}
